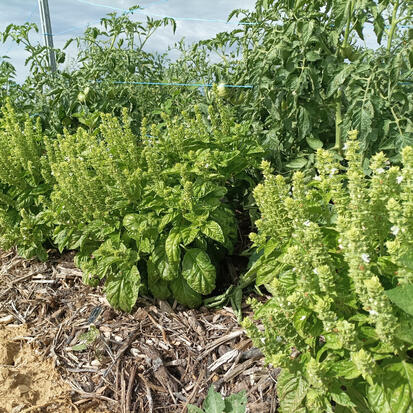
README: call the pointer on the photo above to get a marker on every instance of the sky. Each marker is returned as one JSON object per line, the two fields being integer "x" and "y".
{"x": 72, "y": 16}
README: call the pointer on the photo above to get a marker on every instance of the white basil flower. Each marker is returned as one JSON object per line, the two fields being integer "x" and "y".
{"x": 365, "y": 258}
{"x": 395, "y": 230}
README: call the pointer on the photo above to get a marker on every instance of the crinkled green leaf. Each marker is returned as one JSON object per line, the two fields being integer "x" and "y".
{"x": 214, "y": 403}
{"x": 198, "y": 271}
{"x": 132, "y": 222}
{"x": 297, "y": 163}
{"x": 291, "y": 391}
{"x": 405, "y": 329}
{"x": 122, "y": 289}
{"x": 341, "y": 397}
{"x": 314, "y": 143}
{"x": 184, "y": 294}
{"x": 407, "y": 260}
{"x": 172, "y": 248}
{"x": 166, "y": 269}
{"x": 157, "y": 286}
{"x": 188, "y": 234}
{"x": 394, "y": 393}
{"x": 345, "y": 369}
{"x": 214, "y": 231}
{"x": 236, "y": 403}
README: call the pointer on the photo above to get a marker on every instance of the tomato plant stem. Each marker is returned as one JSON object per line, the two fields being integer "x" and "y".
{"x": 393, "y": 25}
{"x": 349, "y": 18}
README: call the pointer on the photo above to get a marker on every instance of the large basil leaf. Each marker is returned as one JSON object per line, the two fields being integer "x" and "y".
{"x": 189, "y": 234}
{"x": 184, "y": 294}
{"x": 402, "y": 296}
{"x": 143, "y": 229}
{"x": 62, "y": 237}
{"x": 122, "y": 289}
{"x": 172, "y": 249}
{"x": 214, "y": 231}
{"x": 343, "y": 369}
{"x": 132, "y": 223}
{"x": 394, "y": 392}
{"x": 405, "y": 329}
{"x": 157, "y": 286}
{"x": 167, "y": 270}
{"x": 198, "y": 271}
{"x": 292, "y": 390}
{"x": 407, "y": 260}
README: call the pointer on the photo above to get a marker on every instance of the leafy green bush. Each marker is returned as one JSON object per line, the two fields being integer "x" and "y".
{"x": 215, "y": 403}
{"x": 314, "y": 76}
{"x": 336, "y": 255}
{"x": 96, "y": 80}
{"x": 23, "y": 188}
{"x": 156, "y": 211}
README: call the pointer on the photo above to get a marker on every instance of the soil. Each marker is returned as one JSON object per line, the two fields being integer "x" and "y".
{"x": 28, "y": 381}
{"x": 63, "y": 349}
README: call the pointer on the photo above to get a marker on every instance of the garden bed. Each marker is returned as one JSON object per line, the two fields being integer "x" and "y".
{"x": 159, "y": 358}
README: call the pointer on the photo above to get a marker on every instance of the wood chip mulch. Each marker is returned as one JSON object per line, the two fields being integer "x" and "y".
{"x": 159, "y": 358}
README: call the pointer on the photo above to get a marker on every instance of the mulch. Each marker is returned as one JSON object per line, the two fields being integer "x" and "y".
{"x": 159, "y": 358}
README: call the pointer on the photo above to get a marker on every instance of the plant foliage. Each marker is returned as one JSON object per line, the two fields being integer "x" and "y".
{"x": 23, "y": 189}
{"x": 157, "y": 210}
{"x": 215, "y": 403}
{"x": 314, "y": 77}
{"x": 335, "y": 253}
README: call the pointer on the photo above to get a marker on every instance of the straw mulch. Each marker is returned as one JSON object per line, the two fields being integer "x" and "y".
{"x": 159, "y": 358}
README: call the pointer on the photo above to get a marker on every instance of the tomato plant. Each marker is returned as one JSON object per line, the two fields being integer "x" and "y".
{"x": 313, "y": 79}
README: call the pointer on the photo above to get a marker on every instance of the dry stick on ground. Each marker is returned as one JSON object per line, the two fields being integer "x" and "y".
{"x": 132, "y": 376}
{"x": 200, "y": 378}
{"x": 116, "y": 381}
{"x": 148, "y": 393}
{"x": 49, "y": 403}
{"x": 123, "y": 391}
{"x": 120, "y": 352}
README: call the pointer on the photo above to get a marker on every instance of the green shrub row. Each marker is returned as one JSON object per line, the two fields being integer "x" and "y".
{"x": 336, "y": 254}
{"x": 157, "y": 213}
{"x": 151, "y": 212}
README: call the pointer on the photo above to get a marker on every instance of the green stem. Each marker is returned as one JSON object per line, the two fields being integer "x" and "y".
{"x": 393, "y": 26}
{"x": 349, "y": 18}
{"x": 397, "y": 120}
{"x": 339, "y": 121}
{"x": 339, "y": 114}
{"x": 113, "y": 41}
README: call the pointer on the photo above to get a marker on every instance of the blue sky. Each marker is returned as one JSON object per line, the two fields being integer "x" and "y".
{"x": 73, "y": 16}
